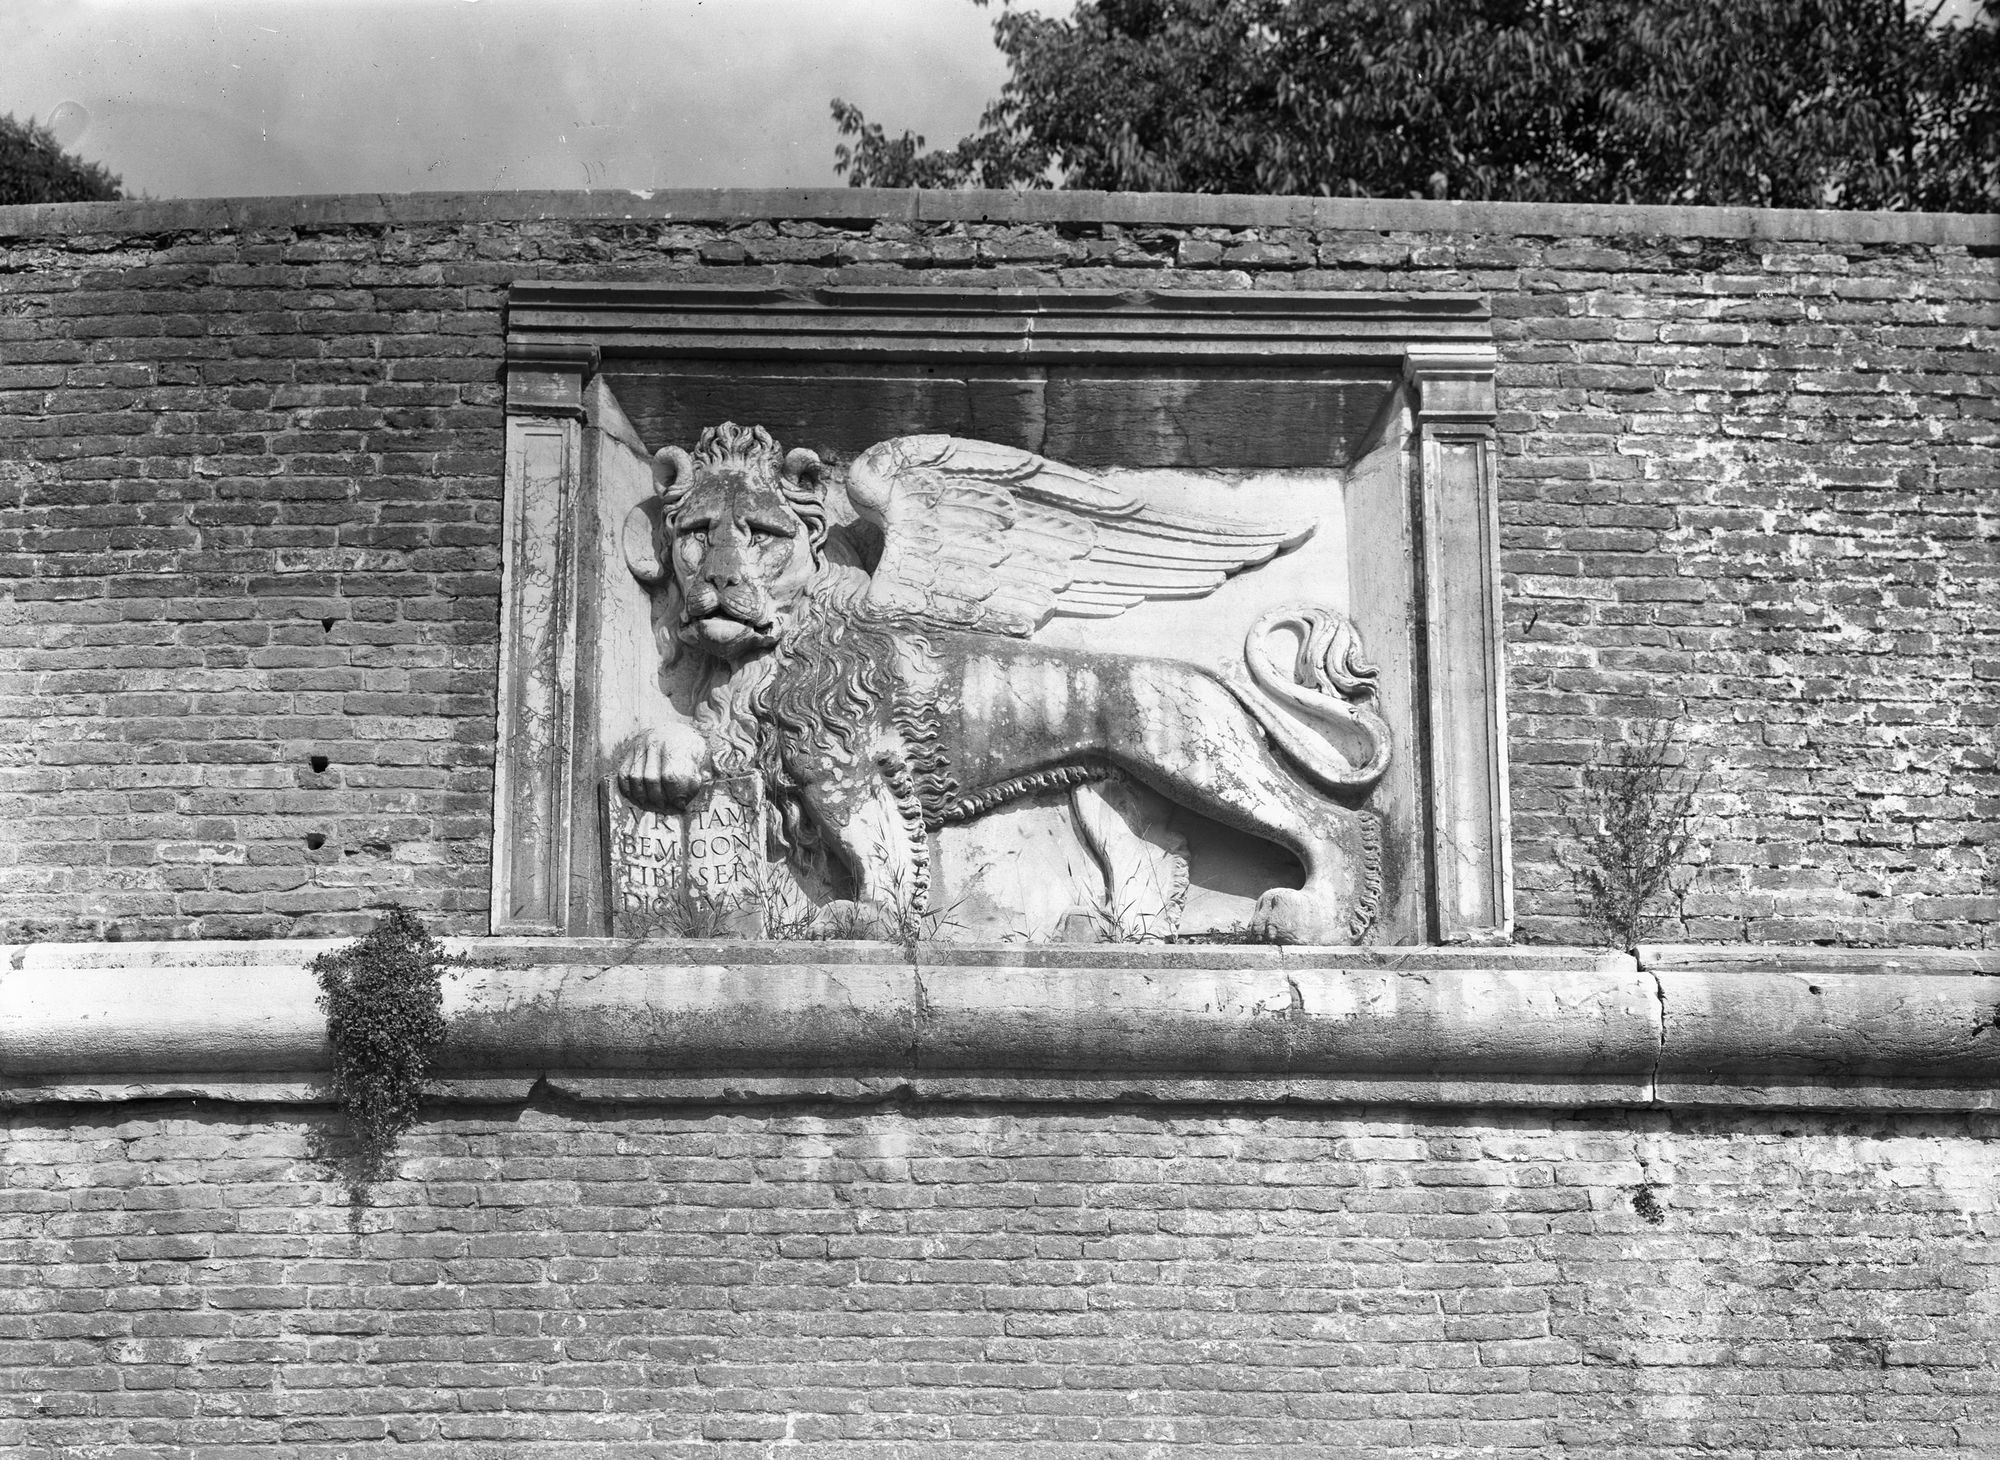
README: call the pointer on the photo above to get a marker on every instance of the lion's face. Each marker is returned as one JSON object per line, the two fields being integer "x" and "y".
{"x": 733, "y": 535}
{"x": 742, "y": 558}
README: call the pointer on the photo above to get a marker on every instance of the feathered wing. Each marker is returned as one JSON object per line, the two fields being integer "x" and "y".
{"x": 990, "y": 537}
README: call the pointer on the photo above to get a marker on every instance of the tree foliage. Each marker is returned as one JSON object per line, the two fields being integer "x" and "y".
{"x": 33, "y": 169}
{"x": 1764, "y": 103}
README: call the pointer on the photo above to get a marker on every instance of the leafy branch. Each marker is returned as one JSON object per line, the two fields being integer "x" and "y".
{"x": 35, "y": 169}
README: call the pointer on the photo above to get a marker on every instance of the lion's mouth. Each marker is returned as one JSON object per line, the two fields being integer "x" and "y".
{"x": 756, "y": 621}
{"x": 715, "y": 607}
{"x": 727, "y": 624}
{"x": 725, "y": 628}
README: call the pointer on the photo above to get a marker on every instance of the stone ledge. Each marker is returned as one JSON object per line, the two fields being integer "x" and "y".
{"x": 599, "y": 1020}
{"x": 1779, "y": 958}
{"x": 853, "y": 205}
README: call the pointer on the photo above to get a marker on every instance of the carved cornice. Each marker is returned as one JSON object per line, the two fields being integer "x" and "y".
{"x": 1453, "y": 382}
{"x": 546, "y": 377}
{"x": 849, "y": 322}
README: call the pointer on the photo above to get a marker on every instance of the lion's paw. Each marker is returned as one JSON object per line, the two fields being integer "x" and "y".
{"x": 861, "y": 921}
{"x": 665, "y": 769}
{"x": 1286, "y": 915}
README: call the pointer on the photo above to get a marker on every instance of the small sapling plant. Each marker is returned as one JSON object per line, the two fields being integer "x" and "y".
{"x": 1631, "y": 829}
{"x": 384, "y": 1003}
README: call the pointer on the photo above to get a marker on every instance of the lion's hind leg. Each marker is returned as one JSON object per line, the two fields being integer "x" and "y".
{"x": 1143, "y": 860}
{"x": 1186, "y": 735}
{"x": 879, "y": 834}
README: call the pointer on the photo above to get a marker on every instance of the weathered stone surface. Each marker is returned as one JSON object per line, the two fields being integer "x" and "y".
{"x": 899, "y": 208}
{"x": 1679, "y": 959}
{"x": 779, "y": 1019}
{"x": 1790, "y": 1025}
{"x": 860, "y": 1021}
{"x": 246, "y": 1008}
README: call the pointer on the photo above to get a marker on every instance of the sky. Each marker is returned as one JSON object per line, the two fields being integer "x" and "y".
{"x": 217, "y": 98}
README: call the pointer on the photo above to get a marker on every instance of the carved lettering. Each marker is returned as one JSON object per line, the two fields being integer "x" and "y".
{"x": 675, "y": 876}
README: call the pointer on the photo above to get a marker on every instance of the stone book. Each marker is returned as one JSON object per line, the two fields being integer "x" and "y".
{"x": 699, "y": 873}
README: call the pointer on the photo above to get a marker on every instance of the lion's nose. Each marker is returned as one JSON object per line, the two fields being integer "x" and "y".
{"x": 723, "y": 567}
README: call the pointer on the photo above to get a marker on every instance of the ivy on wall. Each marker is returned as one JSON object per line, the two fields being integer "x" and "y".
{"x": 383, "y": 997}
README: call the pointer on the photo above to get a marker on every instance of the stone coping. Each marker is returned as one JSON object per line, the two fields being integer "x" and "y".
{"x": 908, "y": 205}
{"x": 597, "y": 1019}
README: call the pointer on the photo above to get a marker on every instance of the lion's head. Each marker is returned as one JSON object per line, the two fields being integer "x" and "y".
{"x": 738, "y": 529}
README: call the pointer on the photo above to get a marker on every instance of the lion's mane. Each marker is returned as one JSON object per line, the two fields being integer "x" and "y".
{"x": 842, "y": 674}
{"x": 831, "y": 675}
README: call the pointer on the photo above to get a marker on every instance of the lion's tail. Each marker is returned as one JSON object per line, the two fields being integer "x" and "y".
{"x": 1322, "y": 715}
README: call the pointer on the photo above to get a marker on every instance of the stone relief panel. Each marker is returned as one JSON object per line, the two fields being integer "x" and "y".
{"x": 866, "y": 644}
{"x": 907, "y": 617}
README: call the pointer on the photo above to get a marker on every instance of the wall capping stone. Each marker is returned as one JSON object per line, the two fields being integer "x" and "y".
{"x": 857, "y": 205}
{"x": 598, "y": 1019}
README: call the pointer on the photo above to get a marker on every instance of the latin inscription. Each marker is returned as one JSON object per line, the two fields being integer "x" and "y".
{"x": 699, "y": 874}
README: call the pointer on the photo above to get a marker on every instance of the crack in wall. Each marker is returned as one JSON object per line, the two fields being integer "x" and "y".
{"x": 1659, "y": 1034}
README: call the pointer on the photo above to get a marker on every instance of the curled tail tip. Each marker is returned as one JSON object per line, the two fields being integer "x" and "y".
{"x": 1331, "y": 690}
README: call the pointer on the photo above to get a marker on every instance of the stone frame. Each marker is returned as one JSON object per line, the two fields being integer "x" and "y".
{"x": 1436, "y": 347}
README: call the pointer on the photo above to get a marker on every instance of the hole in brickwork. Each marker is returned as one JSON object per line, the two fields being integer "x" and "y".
{"x": 1857, "y": 1353}
{"x": 315, "y": 840}
{"x": 326, "y": 625}
{"x": 320, "y": 763}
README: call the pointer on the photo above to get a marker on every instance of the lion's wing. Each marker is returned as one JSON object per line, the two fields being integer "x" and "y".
{"x": 990, "y": 537}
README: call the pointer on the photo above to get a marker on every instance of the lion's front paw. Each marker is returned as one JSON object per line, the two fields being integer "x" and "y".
{"x": 1286, "y": 915}
{"x": 867, "y": 921}
{"x": 665, "y": 769}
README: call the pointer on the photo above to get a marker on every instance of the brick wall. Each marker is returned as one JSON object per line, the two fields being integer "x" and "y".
{"x": 250, "y": 470}
{"x": 992, "y": 1282}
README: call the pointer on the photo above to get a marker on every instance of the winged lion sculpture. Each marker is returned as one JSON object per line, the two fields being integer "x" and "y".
{"x": 881, "y": 701}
